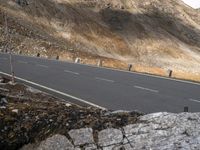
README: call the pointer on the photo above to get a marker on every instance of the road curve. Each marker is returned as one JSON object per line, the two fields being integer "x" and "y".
{"x": 111, "y": 89}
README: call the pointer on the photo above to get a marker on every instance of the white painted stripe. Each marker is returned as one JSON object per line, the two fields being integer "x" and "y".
{"x": 68, "y": 71}
{"x": 22, "y": 62}
{"x": 103, "y": 79}
{"x": 113, "y": 69}
{"x": 56, "y": 91}
{"x": 147, "y": 89}
{"x": 44, "y": 66}
{"x": 194, "y": 100}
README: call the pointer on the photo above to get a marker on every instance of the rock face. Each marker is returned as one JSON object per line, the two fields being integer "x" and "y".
{"x": 161, "y": 33}
{"x": 56, "y": 142}
{"x": 82, "y": 136}
{"x": 156, "y": 131}
{"x": 109, "y": 137}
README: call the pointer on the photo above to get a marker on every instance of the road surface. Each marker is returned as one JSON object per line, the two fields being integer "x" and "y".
{"x": 111, "y": 89}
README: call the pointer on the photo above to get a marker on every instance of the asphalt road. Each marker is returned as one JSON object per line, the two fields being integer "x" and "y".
{"x": 112, "y": 89}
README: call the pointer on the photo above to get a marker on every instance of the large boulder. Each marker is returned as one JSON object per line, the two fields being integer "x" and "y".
{"x": 156, "y": 131}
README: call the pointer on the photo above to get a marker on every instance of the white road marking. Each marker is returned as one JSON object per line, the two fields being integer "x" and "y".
{"x": 107, "y": 80}
{"x": 113, "y": 69}
{"x": 56, "y": 91}
{"x": 68, "y": 71}
{"x": 44, "y": 66}
{"x": 147, "y": 89}
{"x": 22, "y": 62}
{"x": 194, "y": 100}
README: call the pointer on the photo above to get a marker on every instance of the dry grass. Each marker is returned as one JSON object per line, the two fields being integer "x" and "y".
{"x": 164, "y": 72}
{"x": 186, "y": 76}
{"x": 149, "y": 33}
{"x": 150, "y": 70}
{"x": 117, "y": 64}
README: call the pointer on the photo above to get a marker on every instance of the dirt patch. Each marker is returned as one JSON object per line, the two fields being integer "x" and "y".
{"x": 28, "y": 115}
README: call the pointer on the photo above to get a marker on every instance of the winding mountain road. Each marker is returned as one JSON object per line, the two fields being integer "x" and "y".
{"x": 104, "y": 88}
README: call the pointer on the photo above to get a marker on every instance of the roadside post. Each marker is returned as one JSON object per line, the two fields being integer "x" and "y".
{"x": 57, "y": 57}
{"x": 186, "y": 109}
{"x": 170, "y": 73}
{"x": 99, "y": 63}
{"x": 130, "y": 67}
{"x": 38, "y": 54}
{"x": 77, "y": 60}
{"x": 10, "y": 52}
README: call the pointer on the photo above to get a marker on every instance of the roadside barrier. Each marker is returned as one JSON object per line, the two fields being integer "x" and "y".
{"x": 99, "y": 63}
{"x": 57, "y": 57}
{"x": 170, "y": 73}
{"x": 186, "y": 109}
{"x": 130, "y": 67}
{"x": 38, "y": 54}
{"x": 77, "y": 60}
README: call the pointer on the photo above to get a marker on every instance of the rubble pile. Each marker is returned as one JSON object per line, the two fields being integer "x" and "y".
{"x": 33, "y": 120}
{"x": 28, "y": 115}
{"x": 159, "y": 131}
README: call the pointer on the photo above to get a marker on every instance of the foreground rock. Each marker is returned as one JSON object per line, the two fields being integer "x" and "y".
{"x": 154, "y": 132}
{"x": 33, "y": 120}
{"x": 28, "y": 115}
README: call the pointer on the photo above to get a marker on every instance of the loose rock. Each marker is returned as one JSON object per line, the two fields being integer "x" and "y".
{"x": 82, "y": 136}
{"x": 3, "y": 101}
{"x": 15, "y": 110}
{"x": 109, "y": 137}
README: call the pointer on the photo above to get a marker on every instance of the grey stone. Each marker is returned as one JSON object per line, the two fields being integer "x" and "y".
{"x": 15, "y": 110}
{"x": 91, "y": 147}
{"x": 109, "y": 137}
{"x": 33, "y": 90}
{"x": 56, "y": 142}
{"x": 1, "y": 79}
{"x": 121, "y": 147}
{"x": 158, "y": 131}
{"x": 114, "y": 147}
{"x": 164, "y": 131}
{"x": 2, "y": 107}
{"x": 82, "y": 136}
{"x": 3, "y": 101}
{"x": 108, "y": 147}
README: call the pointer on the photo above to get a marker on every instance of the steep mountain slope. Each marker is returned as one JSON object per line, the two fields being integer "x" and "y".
{"x": 161, "y": 33}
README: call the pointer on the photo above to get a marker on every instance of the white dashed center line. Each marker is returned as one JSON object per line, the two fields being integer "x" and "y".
{"x": 146, "y": 89}
{"x": 102, "y": 79}
{"x": 42, "y": 66}
{"x": 194, "y": 100}
{"x": 68, "y": 71}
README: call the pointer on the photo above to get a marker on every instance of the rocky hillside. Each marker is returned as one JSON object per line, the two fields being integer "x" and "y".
{"x": 159, "y": 33}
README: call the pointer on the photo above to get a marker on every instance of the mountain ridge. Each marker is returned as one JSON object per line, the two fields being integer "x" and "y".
{"x": 157, "y": 33}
